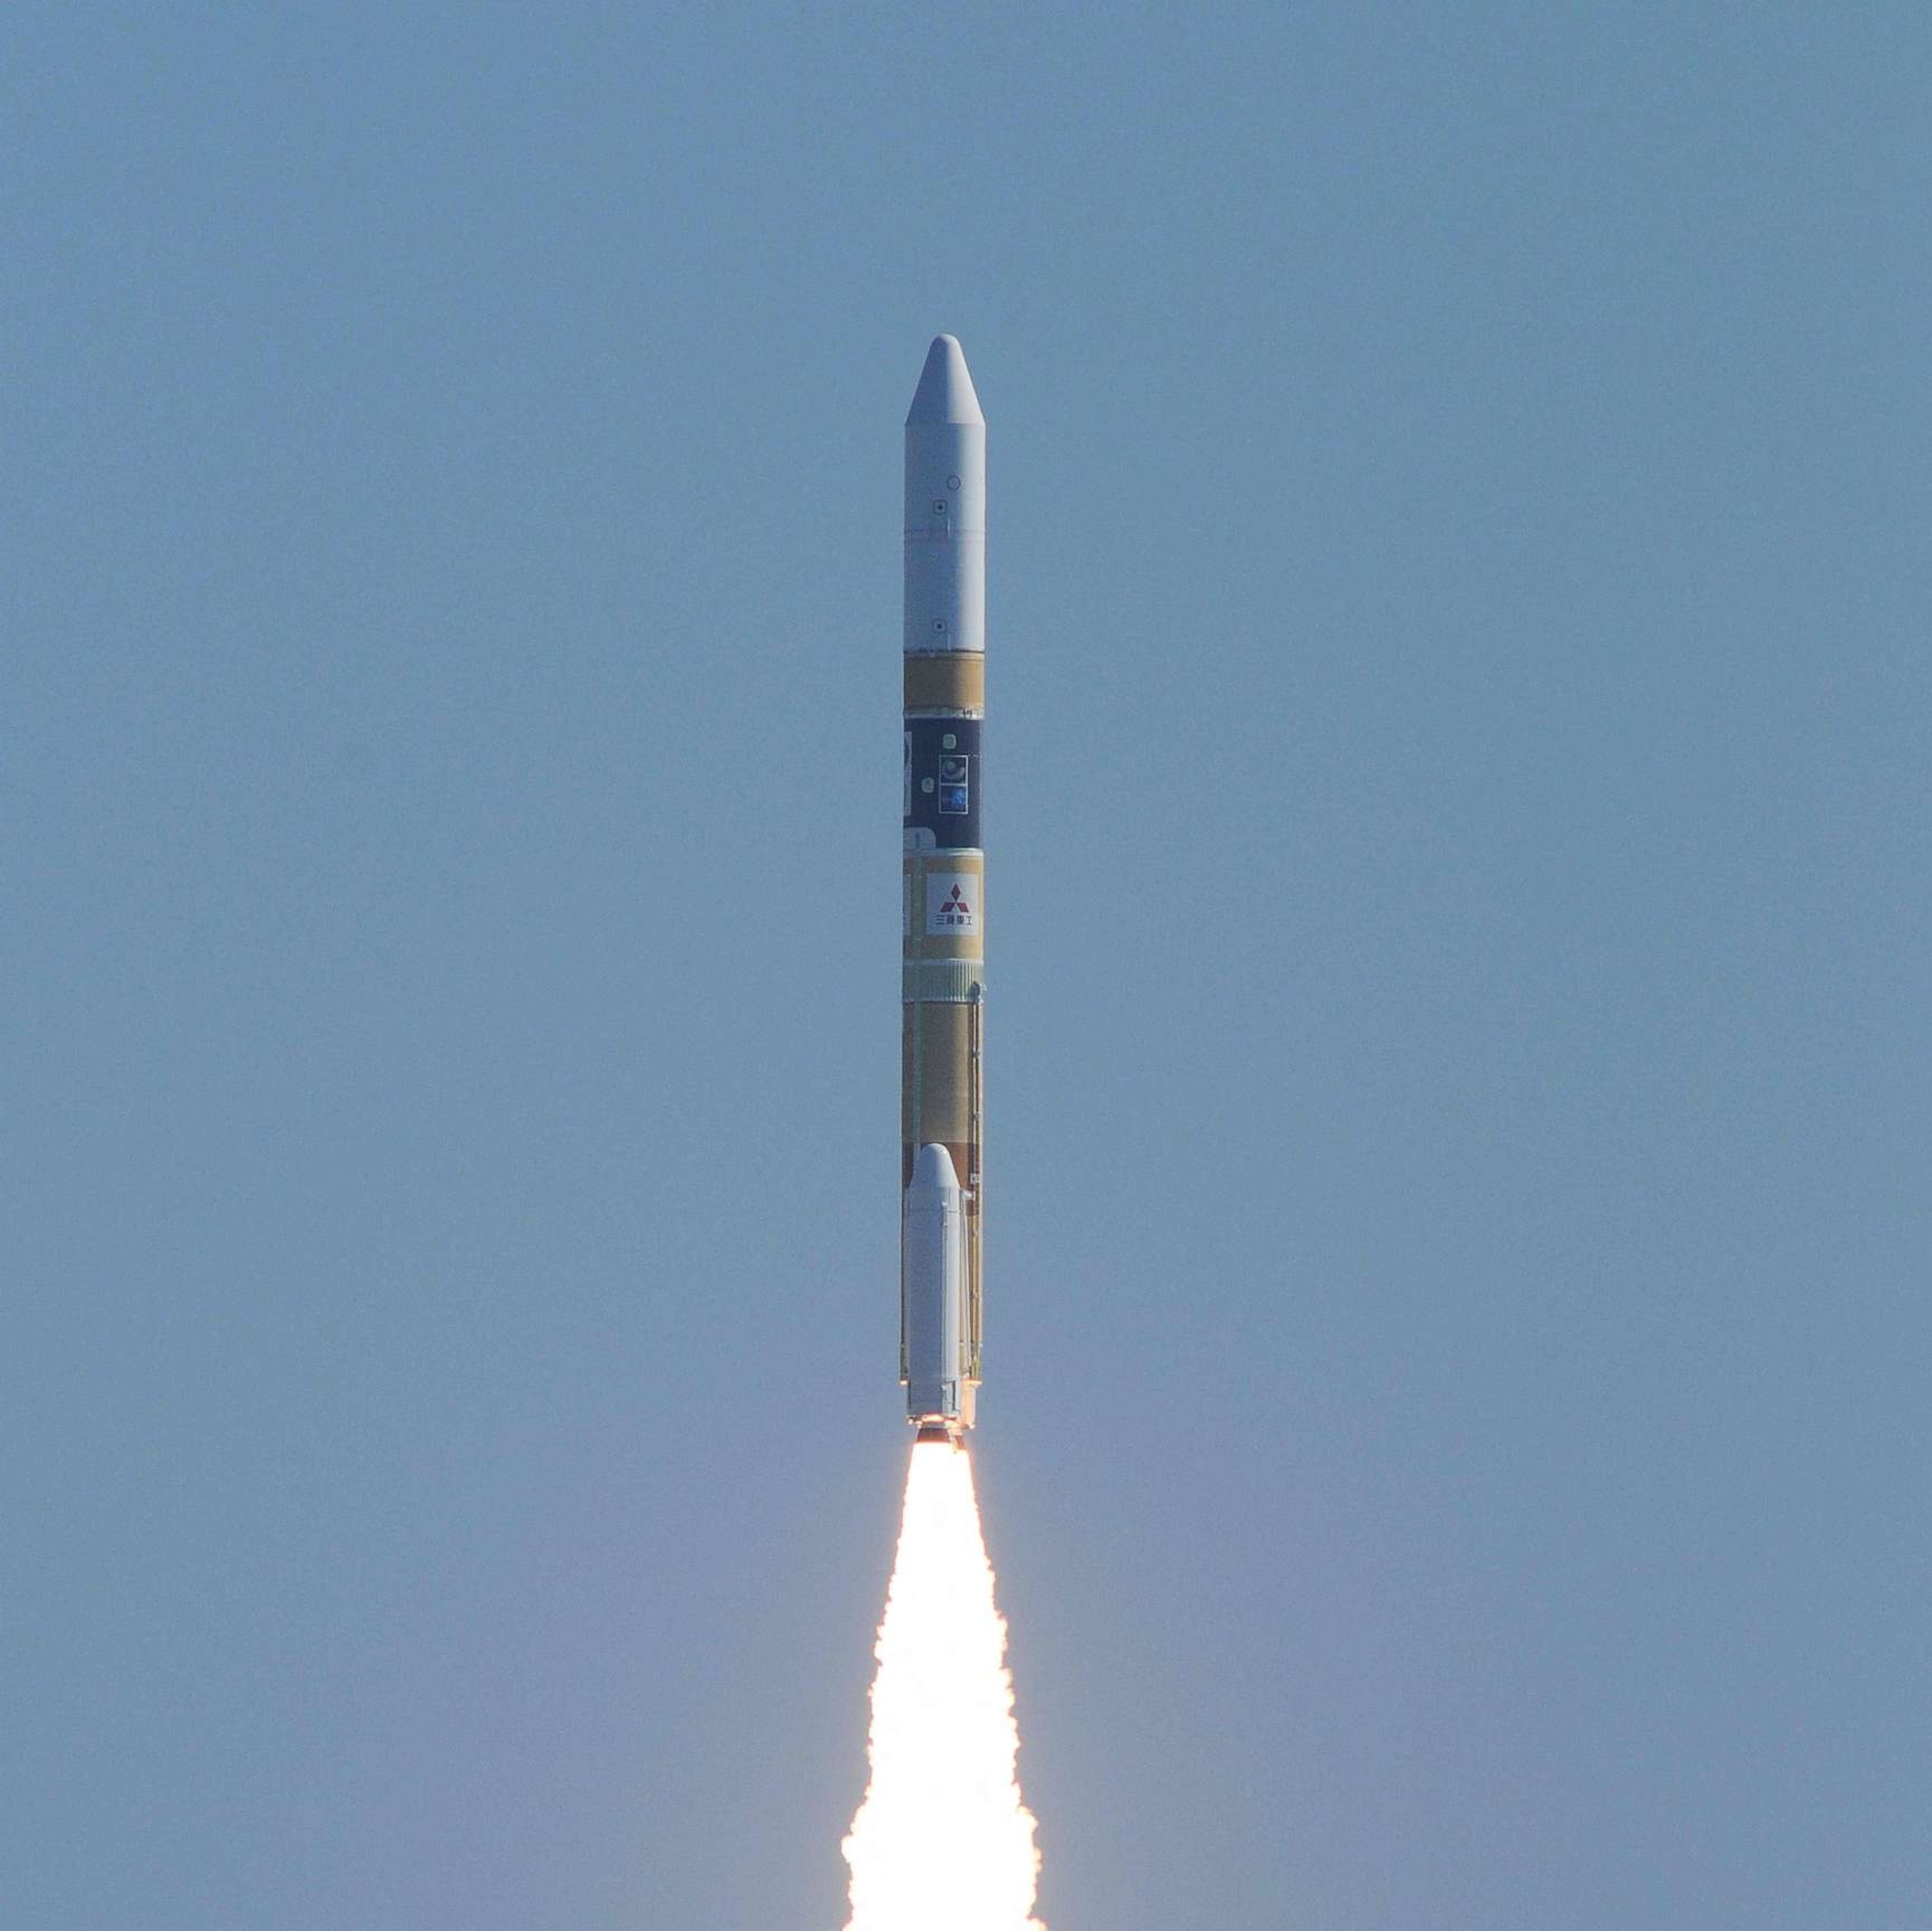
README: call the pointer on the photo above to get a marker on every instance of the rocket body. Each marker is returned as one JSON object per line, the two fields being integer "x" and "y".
{"x": 943, "y": 993}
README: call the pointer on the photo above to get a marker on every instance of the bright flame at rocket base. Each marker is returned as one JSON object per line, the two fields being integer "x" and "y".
{"x": 943, "y": 1841}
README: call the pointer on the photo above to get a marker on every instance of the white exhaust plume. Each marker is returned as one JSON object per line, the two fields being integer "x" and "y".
{"x": 943, "y": 1841}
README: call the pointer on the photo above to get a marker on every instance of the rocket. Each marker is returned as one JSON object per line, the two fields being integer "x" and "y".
{"x": 943, "y": 986}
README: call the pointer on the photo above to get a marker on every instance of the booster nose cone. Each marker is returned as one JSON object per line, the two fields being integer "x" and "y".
{"x": 945, "y": 393}
{"x": 933, "y": 1174}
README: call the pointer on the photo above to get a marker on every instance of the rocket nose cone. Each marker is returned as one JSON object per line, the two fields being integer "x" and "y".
{"x": 945, "y": 393}
{"x": 932, "y": 1172}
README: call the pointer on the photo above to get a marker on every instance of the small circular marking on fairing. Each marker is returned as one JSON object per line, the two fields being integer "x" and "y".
{"x": 951, "y": 483}
{"x": 925, "y": 784}
{"x": 949, "y": 742}
{"x": 939, "y": 623}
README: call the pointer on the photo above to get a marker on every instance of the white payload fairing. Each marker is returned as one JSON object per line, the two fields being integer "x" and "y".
{"x": 942, "y": 998}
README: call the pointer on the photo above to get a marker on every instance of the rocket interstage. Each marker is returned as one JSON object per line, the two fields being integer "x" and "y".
{"x": 943, "y": 996}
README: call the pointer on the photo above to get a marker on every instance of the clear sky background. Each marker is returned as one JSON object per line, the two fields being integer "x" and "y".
{"x": 1456, "y": 1446}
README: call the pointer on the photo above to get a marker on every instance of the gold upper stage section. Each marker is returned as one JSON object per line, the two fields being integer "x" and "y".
{"x": 945, "y": 680}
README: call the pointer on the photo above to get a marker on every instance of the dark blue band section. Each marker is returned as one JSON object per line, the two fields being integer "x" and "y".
{"x": 942, "y": 780}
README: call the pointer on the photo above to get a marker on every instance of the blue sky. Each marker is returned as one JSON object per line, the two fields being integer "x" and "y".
{"x": 1454, "y": 1445}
